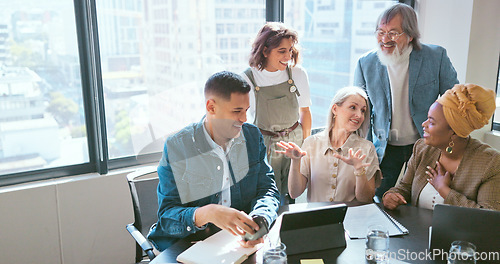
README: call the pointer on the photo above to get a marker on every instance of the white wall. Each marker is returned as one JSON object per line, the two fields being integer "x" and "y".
{"x": 73, "y": 220}
{"x": 484, "y": 50}
{"x": 469, "y": 30}
{"x": 447, "y": 23}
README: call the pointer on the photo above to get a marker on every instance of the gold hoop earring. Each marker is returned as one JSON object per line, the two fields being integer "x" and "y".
{"x": 449, "y": 149}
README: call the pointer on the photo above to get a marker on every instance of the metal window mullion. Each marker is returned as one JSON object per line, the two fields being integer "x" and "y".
{"x": 93, "y": 99}
{"x": 275, "y": 10}
{"x": 496, "y": 125}
{"x": 408, "y": 2}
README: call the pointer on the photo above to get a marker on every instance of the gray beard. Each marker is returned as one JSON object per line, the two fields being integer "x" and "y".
{"x": 396, "y": 57}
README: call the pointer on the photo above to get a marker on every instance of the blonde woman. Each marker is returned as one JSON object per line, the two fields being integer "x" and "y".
{"x": 337, "y": 164}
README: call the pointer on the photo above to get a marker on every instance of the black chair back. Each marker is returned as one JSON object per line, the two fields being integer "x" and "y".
{"x": 143, "y": 184}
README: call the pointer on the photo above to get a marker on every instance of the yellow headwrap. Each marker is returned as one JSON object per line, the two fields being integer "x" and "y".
{"x": 467, "y": 107}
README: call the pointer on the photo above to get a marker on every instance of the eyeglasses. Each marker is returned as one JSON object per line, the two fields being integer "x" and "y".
{"x": 392, "y": 35}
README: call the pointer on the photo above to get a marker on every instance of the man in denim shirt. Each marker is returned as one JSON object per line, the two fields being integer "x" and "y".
{"x": 215, "y": 171}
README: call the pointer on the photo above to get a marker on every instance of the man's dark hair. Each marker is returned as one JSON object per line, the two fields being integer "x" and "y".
{"x": 224, "y": 83}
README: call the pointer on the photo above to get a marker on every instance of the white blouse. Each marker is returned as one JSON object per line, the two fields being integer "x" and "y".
{"x": 429, "y": 197}
{"x": 331, "y": 179}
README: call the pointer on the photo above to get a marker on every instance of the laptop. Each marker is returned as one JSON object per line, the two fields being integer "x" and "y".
{"x": 313, "y": 229}
{"x": 478, "y": 226}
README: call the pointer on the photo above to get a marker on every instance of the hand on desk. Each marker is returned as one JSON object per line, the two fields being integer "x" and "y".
{"x": 393, "y": 200}
{"x": 251, "y": 243}
{"x": 230, "y": 219}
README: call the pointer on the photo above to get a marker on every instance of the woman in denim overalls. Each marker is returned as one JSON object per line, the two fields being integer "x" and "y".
{"x": 280, "y": 102}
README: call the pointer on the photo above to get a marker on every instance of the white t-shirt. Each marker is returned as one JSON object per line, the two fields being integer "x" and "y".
{"x": 267, "y": 78}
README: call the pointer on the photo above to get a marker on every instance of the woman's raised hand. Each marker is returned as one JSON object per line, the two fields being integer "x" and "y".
{"x": 291, "y": 150}
{"x": 353, "y": 159}
{"x": 440, "y": 179}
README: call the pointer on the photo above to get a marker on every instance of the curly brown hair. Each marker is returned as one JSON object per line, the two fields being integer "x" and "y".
{"x": 270, "y": 37}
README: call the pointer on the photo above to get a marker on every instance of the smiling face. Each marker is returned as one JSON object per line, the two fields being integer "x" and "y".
{"x": 278, "y": 58}
{"x": 388, "y": 46}
{"x": 437, "y": 132}
{"x": 350, "y": 114}
{"x": 225, "y": 118}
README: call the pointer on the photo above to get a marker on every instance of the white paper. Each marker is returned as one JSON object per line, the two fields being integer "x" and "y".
{"x": 221, "y": 247}
{"x": 359, "y": 218}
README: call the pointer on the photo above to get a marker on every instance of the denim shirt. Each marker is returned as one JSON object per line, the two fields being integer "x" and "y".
{"x": 430, "y": 75}
{"x": 190, "y": 175}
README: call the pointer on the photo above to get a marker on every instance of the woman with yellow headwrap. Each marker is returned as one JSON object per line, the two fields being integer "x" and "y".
{"x": 447, "y": 165}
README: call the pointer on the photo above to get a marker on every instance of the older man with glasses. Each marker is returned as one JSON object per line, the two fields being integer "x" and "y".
{"x": 402, "y": 77}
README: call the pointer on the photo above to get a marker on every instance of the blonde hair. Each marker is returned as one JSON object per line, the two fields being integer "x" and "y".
{"x": 339, "y": 98}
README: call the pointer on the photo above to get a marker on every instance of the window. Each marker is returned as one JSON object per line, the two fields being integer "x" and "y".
{"x": 332, "y": 40}
{"x": 42, "y": 121}
{"x": 74, "y": 102}
{"x": 326, "y": 5}
{"x": 143, "y": 102}
{"x": 496, "y": 115}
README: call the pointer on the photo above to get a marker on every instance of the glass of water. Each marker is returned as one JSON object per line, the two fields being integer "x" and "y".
{"x": 377, "y": 244}
{"x": 275, "y": 255}
{"x": 462, "y": 252}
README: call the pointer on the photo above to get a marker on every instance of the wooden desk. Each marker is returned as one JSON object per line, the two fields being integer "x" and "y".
{"x": 406, "y": 248}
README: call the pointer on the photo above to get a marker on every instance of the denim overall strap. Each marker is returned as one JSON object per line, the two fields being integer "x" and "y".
{"x": 277, "y": 107}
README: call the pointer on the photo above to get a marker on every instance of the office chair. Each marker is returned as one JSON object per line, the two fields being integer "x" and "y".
{"x": 143, "y": 184}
